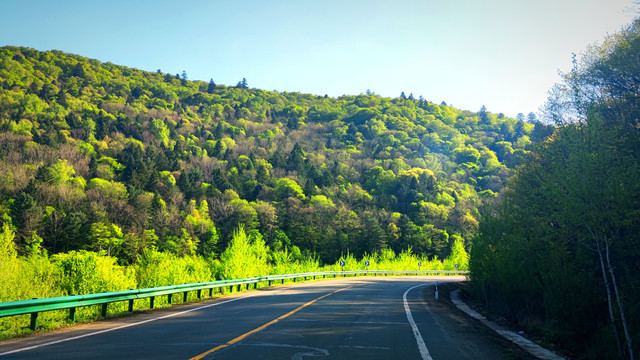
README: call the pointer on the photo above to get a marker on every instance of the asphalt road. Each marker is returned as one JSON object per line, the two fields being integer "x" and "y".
{"x": 349, "y": 318}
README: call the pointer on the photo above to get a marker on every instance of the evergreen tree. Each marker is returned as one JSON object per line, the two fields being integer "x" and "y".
{"x": 295, "y": 161}
{"x": 217, "y": 149}
{"x": 183, "y": 78}
{"x": 219, "y": 131}
{"x": 309, "y": 188}
{"x": 277, "y": 160}
{"x": 531, "y": 117}
{"x": 483, "y": 115}
{"x": 243, "y": 84}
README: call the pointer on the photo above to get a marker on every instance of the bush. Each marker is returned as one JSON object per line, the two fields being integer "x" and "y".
{"x": 155, "y": 268}
{"x": 86, "y": 272}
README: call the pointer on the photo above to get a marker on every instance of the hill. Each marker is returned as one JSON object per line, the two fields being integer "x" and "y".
{"x": 102, "y": 156}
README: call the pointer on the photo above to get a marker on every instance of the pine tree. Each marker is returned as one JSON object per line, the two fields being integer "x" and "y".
{"x": 295, "y": 161}
{"x": 219, "y": 131}
{"x": 217, "y": 149}
{"x": 243, "y": 84}
{"x": 184, "y": 78}
{"x": 482, "y": 114}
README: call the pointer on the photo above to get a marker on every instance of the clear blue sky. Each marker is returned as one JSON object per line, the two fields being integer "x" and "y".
{"x": 504, "y": 54}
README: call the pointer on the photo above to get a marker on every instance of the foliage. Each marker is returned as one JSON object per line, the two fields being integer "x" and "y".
{"x": 559, "y": 253}
{"x": 86, "y": 272}
{"x": 246, "y": 256}
{"x": 7, "y": 246}
{"x": 175, "y": 269}
{"x": 84, "y": 143}
{"x": 111, "y": 173}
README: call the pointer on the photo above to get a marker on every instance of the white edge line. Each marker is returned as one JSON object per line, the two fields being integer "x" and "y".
{"x": 123, "y": 326}
{"x": 424, "y": 352}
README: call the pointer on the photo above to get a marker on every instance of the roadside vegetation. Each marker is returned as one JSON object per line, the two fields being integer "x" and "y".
{"x": 558, "y": 255}
{"x": 39, "y": 275}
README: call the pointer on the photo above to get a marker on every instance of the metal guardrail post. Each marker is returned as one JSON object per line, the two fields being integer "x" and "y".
{"x": 33, "y": 325}
{"x": 104, "y": 310}
{"x": 184, "y": 297}
{"x": 72, "y": 314}
{"x": 170, "y": 299}
{"x": 131, "y": 305}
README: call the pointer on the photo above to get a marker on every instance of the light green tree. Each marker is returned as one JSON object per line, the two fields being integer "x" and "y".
{"x": 106, "y": 236}
{"x": 245, "y": 256}
{"x": 7, "y": 246}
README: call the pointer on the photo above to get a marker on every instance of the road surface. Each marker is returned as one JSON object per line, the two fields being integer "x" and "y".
{"x": 345, "y": 318}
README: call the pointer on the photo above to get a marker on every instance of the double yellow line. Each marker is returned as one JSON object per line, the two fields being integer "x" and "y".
{"x": 245, "y": 335}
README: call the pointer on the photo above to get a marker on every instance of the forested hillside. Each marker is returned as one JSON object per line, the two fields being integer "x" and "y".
{"x": 98, "y": 156}
{"x": 560, "y": 254}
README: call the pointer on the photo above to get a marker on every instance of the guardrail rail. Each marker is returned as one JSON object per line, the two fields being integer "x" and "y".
{"x": 35, "y": 306}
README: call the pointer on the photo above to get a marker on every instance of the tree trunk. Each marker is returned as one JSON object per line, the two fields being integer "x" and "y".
{"x": 614, "y": 322}
{"x": 620, "y": 305}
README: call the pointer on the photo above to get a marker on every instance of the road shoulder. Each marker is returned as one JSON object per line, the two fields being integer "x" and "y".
{"x": 526, "y": 344}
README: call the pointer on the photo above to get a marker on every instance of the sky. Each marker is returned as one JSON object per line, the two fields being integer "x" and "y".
{"x": 504, "y": 54}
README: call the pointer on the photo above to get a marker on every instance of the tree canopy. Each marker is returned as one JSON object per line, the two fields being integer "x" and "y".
{"x": 562, "y": 247}
{"x": 104, "y": 146}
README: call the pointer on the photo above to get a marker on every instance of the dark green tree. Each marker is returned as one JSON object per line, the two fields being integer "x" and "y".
{"x": 483, "y": 115}
{"x": 296, "y": 158}
{"x": 242, "y": 84}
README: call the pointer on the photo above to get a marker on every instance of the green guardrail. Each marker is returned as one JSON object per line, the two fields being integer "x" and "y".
{"x": 35, "y": 306}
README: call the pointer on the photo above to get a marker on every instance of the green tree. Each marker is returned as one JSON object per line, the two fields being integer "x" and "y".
{"x": 296, "y": 158}
{"x": 483, "y": 115}
{"x": 562, "y": 227}
{"x": 288, "y": 188}
{"x": 183, "y": 78}
{"x": 107, "y": 236}
{"x": 242, "y": 84}
{"x": 133, "y": 245}
{"x": 7, "y": 246}
{"x": 245, "y": 256}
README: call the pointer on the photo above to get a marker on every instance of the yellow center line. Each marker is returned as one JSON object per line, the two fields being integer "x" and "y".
{"x": 244, "y": 336}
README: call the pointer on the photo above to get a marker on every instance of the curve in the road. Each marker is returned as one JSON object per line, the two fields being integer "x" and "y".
{"x": 351, "y": 318}
{"x": 424, "y": 352}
